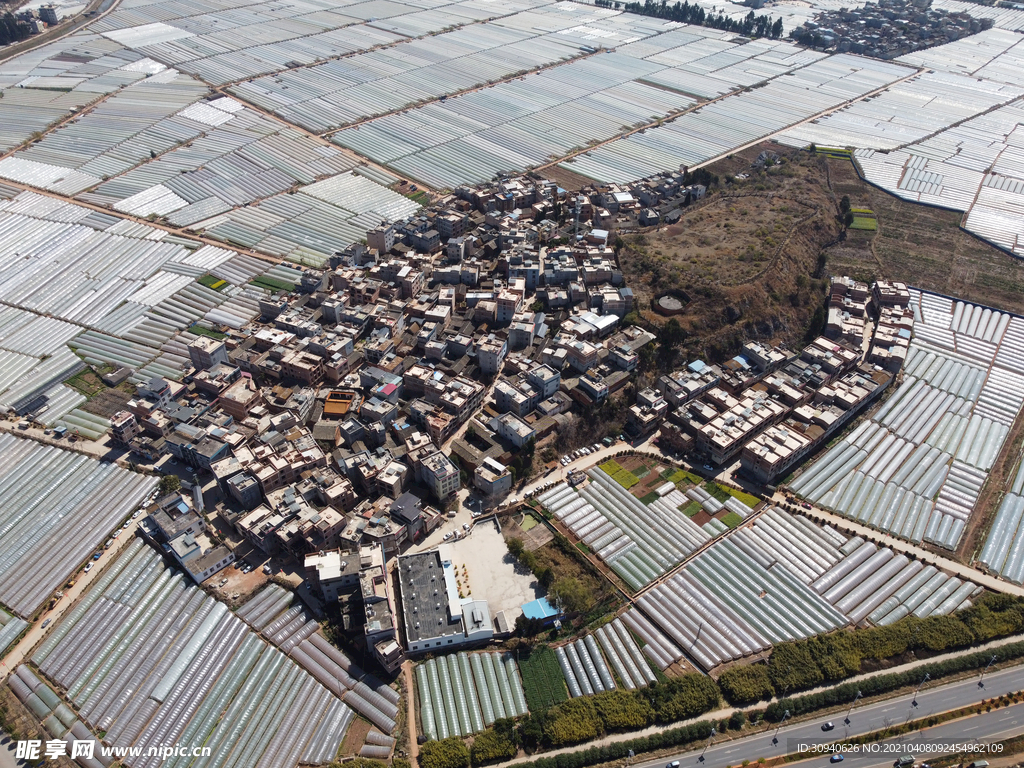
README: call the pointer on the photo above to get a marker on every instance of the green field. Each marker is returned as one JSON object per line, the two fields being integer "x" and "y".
{"x": 865, "y": 223}
{"x": 199, "y": 330}
{"x": 626, "y": 479}
{"x": 611, "y": 467}
{"x": 272, "y": 284}
{"x": 732, "y": 519}
{"x": 649, "y": 498}
{"x": 690, "y": 509}
{"x": 212, "y": 282}
{"x": 543, "y": 681}
{"x": 723, "y": 492}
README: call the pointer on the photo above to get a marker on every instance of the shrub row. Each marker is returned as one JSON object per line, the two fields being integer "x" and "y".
{"x": 879, "y": 684}
{"x": 823, "y": 659}
{"x": 589, "y": 717}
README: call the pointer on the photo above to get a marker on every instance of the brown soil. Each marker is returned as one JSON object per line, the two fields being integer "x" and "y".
{"x": 355, "y": 737}
{"x": 747, "y": 257}
{"x": 923, "y": 246}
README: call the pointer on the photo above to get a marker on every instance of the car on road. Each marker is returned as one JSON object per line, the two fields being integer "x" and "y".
{"x": 709, "y": 468}
{"x": 88, "y": 567}
{"x": 673, "y": 764}
{"x": 904, "y": 761}
{"x": 836, "y": 758}
{"x": 45, "y": 624}
{"x": 828, "y": 726}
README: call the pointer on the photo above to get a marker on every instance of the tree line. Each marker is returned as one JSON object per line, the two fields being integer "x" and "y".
{"x": 13, "y": 30}
{"x": 749, "y": 26}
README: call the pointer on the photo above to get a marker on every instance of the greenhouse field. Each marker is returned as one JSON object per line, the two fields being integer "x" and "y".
{"x": 56, "y": 508}
{"x": 784, "y": 578}
{"x": 146, "y": 657}
{"x": 461, "y": 694}
{"x": 916, "y": 468}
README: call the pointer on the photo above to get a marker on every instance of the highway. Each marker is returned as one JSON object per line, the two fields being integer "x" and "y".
{"x": 876, "y": 717}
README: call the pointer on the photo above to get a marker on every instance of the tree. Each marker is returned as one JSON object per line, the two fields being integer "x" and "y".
{"x": 570, "y": 595}
{"x": 169, "y": 484}
{"x": 515, "y": 547}
{"x": 777, "y": 29}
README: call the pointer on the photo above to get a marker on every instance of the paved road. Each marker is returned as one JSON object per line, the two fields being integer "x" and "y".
{"x": 979, "y": 730}
{"x": 23, "y": 649}
{"x": 875, "y": 717}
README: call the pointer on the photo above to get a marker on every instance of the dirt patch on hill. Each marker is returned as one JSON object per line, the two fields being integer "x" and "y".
{"x": 747, "y": 257}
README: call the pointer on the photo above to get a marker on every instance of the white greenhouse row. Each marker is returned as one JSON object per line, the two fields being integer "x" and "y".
{"x": 584, "y": 668}
{"x": 56, "y": 717}
{"x": 146, "y": 657}
{"x": 624, "y": 655}
{"x": 1003, "y": 552}
{"x": 285, "y": 623}
{"x": 461, "y": 694}
{"x": 782, "y": 578}
{"x": 916, "y": 468}
{"x": 720, "y": 127}
{"x": 973, "y": 166}
{"x": 10, "y": 628}
{"x": 56, "y": 507}
{"x": 638, "y": 541}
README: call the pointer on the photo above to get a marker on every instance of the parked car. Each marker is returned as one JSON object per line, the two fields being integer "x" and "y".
{"x": 88, "y": 567}
{"x": 709, "y": 468}
{"x": 97, "y": 556}
{"x": 267, "y": 569}
{"x": 45, "y": 624}
{"x": 466, "y": 526}
{"x": 126, "y": 524}
{"x": 136, "y": 513}
{"x": 475, "y": 515}
{"x": 447, "y": 536}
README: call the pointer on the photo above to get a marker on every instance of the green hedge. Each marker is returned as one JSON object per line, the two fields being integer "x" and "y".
{"x": 497, "y": 743}
{"x": 831, "y": 658}
{"x": 447, "y": 753}
{"x": 586, "y": 718}
{"x": 879, "y": 684}
{"x": 746, "y": 685}
{"x": 674, "y": 737}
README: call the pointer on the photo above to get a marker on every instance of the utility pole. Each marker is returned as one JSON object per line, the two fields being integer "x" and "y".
{"x": 859, "y": 694}
{"x": 711, "y": 738}
{"x": 981, "y": 680}
{"x": 924, "y": 680}
{"x": 775, "y": 739}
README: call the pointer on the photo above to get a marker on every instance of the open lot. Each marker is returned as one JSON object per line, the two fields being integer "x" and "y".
{"x": 493, "y": 574}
